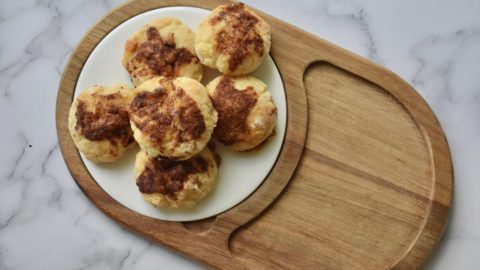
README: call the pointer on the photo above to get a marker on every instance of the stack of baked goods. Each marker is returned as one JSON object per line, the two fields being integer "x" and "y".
{"x": 170, "y": 114}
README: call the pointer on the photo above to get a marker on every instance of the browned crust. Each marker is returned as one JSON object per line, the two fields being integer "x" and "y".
{"x": 160, "y": 56}
{"x": 109, "y": 120}
{"x": 167, "y": 110}
{"x": 216, "y": 156}
{"x": 238, "y": 39}
{"x": 233, "y": 107}
{"x": 168, "y": 177}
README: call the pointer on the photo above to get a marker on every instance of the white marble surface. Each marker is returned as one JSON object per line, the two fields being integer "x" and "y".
{"x": 47, "y": 223}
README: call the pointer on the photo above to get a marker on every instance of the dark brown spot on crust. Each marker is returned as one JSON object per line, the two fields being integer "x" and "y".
{"x": 167, "y": 177}
{"x": 216, "y": 156}
{"x": 131, "y": 46}
{"x": 167, "y": 111}
{"x": 233, "y": 107}
{"x": 161, "y": 56}
{"x": 239, "y": 38}
{"x": 109, "y": 121}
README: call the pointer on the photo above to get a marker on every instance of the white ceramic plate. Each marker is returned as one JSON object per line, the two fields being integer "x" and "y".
{"x": 239, "y": 173}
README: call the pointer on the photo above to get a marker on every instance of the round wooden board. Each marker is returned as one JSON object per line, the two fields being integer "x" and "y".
{"x": 369, "y": 178}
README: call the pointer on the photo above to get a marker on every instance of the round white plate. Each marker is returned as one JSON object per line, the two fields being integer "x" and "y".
{"x": 239, "y": 173}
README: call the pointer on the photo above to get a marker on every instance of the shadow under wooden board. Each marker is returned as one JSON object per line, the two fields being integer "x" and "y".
{"x": 363, "y": 181}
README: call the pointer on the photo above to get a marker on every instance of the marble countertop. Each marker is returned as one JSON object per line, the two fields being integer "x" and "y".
{"x": 47, "y": 223}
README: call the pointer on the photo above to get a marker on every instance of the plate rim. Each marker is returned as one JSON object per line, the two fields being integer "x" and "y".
{"x": 219, "y": 203}
{"x": 232, "y": 218}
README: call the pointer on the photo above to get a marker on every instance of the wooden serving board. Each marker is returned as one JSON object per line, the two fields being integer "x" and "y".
{"x": 363, "y": 181}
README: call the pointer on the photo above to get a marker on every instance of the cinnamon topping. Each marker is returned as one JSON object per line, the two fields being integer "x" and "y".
{"x": 165, "y": 112}
{"x": 167, "y": 177}
{"x": 109, "y": 121}
{"x": 233, "y": 107}
{"x": 161, "y": 56}
{"x": 239, "y": 38}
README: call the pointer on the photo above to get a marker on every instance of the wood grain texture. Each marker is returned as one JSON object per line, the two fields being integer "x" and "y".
{"x": 367, "y": 182}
